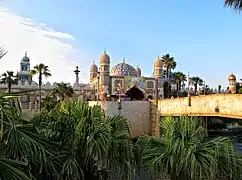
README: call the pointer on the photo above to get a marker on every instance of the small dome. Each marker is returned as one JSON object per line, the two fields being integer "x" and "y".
{"x": 25, "y": 59}
{"x": 123, "y": 69}
{"x": 105, "y": 58}
{"x": 232, "y": 77}
{"x": 93, "y": 68}
{"x": 158, "y": 62}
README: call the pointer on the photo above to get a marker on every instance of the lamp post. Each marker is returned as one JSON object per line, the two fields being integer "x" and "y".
{"x": 188, "y": 94}
{"x": 98, "y": 75}
{"x": 157, "y": 91}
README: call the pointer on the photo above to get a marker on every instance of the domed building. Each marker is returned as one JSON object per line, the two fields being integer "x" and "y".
{"x": 122, "y": 77}
{"x": 23, "y": 74}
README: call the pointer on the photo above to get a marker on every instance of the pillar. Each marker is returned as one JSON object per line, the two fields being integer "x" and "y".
{"x": 154, "y": 120}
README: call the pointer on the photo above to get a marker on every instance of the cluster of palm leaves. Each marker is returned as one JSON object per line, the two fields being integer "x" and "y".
{"x": 73, "y": 141}
{"x": 184, "y": 151}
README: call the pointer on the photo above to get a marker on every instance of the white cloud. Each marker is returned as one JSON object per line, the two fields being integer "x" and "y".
{"x": 43, "y": 44}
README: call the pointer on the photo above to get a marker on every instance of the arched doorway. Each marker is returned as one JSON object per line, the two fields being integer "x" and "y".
{"x": 135, "y": 93}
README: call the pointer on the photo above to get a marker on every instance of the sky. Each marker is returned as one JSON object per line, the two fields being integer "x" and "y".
{"x": 202, "y": 36}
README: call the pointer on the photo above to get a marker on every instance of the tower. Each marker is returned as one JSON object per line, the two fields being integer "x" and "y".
{"x": 158, "y": 74}
{"x": 104, "y": 77}
{"x": 77, "y": 71}
{"x": 24, "y": 74}
{"x": 158, "y": 68}
{"x": 93, "y": 71}
{"x": 232, "y": 83}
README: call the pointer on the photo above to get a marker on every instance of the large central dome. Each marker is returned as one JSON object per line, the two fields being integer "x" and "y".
{"x": 123, "y": 69}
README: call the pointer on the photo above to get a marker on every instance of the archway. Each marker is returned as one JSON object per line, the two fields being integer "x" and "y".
{"x": 135, "y": 93}
{"x": 150, "y": 97}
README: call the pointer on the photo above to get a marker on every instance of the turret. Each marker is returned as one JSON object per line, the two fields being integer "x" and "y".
{"x": 232, "y": 83}
{"x": 158, "y": 68}
{"x": 104, "y": 78}
{"x": 93, "y": 71}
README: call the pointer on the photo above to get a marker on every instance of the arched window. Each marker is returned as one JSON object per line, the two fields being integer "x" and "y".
{"x": 150, "y": 84}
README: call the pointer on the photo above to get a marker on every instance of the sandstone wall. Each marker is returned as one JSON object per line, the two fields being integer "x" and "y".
{"x": 223, "y": 105}
{"x": 136, "y": 112}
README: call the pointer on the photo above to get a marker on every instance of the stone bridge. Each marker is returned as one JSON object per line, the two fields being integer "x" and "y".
{"x": 220, "y": 105}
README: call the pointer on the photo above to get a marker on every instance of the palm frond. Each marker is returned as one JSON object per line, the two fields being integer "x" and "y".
{"x": 3, "y": 52}
{"x": 235, "y": 4}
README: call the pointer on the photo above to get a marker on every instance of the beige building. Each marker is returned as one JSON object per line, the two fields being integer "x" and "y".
{"x": 123, "y": 77}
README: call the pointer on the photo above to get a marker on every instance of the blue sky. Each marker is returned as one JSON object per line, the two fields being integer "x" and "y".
{"x": 203, "y": 36}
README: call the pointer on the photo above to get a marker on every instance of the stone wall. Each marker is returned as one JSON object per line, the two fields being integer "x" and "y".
{"x": 136, "y": 112}
{"x": 223, "y": 105}
{"x": 154, "y": 120}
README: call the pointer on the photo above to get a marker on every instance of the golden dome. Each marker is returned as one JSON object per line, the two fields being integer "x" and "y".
{"x": 93, "y": 68}
{"x": 232, "y": 77}
{"x": 105, "y": 58}
{"x": 158, "y": 62}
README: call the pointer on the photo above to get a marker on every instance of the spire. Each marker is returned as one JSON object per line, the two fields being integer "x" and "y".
{"x": 93, "y": 62}
{"x": 158, "y": 57}
{"x": 105, "y": 52}
{"x": 77, "y": 70}
{"x": 123, "y": 60}
{"x": 25, "y": 54}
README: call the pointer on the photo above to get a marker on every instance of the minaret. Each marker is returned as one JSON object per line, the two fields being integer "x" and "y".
{"x": 77, "y": 71}
{"x": 93, "y": 71}
{"x": 24, "y": 74}
{"x": 158, "y": 65}
{"x": 232, "y": 83}
{"x": 104, "y": 77}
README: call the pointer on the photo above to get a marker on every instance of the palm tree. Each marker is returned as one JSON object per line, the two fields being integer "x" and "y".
{"x": 179, "y": 77}
{"x": 169, "y": 63}
{"x": 19, "y": 143}
{"x": 63, "y": 89}
{"x": 184, "y": 151}
{"x": 41, "y": 70}
{"x": 235, "y": 4}
{"x": 91, "y": 144}
{"x": 196, "y": 81}
{"x": 10, "y": 79}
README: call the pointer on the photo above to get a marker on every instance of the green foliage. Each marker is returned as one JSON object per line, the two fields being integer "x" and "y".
{"x": 169, "y": 62}
{"x": 240, "y": 91}
{"x": 185, "y": 152}
{"x": 10, "y": 79}
{"x": 63, "y": 89}
{"x": 91, "y": 144}
{"x": 49, "y": 102}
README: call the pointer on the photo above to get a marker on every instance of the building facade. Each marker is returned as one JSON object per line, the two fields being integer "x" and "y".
{"x": 122, "y": 77}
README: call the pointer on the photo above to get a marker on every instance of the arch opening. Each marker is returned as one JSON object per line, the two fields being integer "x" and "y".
{"x": 135, "y": 94}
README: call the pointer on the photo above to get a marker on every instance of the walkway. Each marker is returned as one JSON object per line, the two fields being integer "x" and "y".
{"x": 222, "y": 105}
